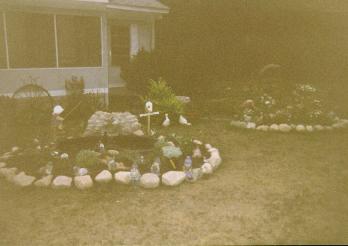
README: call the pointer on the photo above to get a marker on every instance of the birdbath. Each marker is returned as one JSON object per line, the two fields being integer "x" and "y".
{"x": 148, "y": 114}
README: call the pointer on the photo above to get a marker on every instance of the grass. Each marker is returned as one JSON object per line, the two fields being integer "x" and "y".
{"x": 271, "y": 189}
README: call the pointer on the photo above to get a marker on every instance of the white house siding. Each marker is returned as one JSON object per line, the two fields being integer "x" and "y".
{"x": 53, "y": 79}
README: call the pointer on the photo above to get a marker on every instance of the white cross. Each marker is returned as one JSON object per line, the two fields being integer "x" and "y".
{"x": 148, "y": 108}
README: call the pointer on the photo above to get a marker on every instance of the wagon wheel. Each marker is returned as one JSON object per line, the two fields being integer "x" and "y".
{"x": 34, "y": 104}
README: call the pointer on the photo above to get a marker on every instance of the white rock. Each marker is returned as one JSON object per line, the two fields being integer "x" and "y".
{"x": 44, "y": 182}
{"x": 197, "y": 173}
{"x": 251, "y": 125}
{"x": 83, "y": 182}
{"x": 112, "y": 152}
{"x": 207, "y": 168}
{"x": 8, "y": 173}
{"x": 123, "y": 177}
{"x": 15, "y": 149}
{"x": 139, "y": 133}
{"x": 149, "y": 180}
{"x": 23, "y": 180}
{"x": 263, "y": 128}
{"x": 309, "y": 128}
{"x": 62, "y": 182}
{"x": 300, "y": 128}
{"x": 284, "y": 128}
{"x": 173, "y": 178}
{"x": 338, "y": 125}
{"x": 328, "y": 128}
{"x": 2, "y": 164}
{"x": 215, "y": 158}
{"x": 103, "y": 177}
{"x": 239, "y": 124}
{"x": 318, "y": 128}
{"x": 274, "y": 128}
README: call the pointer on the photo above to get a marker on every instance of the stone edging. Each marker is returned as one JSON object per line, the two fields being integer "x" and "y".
{"x": 147, "y": 180}
{"x": 285, "y": 128}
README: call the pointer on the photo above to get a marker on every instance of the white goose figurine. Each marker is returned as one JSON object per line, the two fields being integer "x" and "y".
{"x": 166, "y": 121}
{"x": 183, "y": 121}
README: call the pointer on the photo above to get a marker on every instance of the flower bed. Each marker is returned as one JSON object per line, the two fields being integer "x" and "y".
{"x": 170, "y": 160}
{"x": 301, "y": 110}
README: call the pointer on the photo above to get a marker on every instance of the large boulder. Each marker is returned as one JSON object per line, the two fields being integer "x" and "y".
{"x": 44, "y": 182}
{"x": 103, "y": 177}
{"x": 62, "y": 182}
{"x": 149, "y": 180}
{"x": 284, "y": 128}
{"x": 23, "y": 180}
{"x": 173, "y": 178}
{"x": 83, "y": 182}
{"x": 123, "y": 177}
{"x": 113, "y": 124}
{"x": 8, "y": 173}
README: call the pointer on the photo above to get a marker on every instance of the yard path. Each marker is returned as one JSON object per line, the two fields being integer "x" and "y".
{"x": 271, "y": 189}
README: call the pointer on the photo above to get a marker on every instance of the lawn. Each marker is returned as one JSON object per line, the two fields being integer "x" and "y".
{"x": 271, "y": 188}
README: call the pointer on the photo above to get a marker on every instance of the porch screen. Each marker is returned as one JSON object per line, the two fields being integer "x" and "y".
{"x": 2, "y": 44}
{"x": 30, "y": 40}
{"x": 79, "y": 41}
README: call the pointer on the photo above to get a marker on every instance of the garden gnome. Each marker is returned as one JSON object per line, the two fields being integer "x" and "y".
{"x": 135, "y": 174}
{"x": 57, "y": 122}
{"x": 156, "y": 167}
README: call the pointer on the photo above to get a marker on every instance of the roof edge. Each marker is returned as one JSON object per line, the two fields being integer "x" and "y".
{"x": 138, "y": 9}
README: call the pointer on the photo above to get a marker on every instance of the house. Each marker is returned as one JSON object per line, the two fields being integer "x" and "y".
{"x": 52, "y": 40}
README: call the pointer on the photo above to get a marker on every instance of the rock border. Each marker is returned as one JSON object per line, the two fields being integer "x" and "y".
{"x": 104, "y": 177}
{"x": 286, "y": 128}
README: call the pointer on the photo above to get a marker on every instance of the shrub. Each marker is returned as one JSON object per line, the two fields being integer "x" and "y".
{"x": 79, "y": 105}
{"x": 164, "y": 98}
{"x": 87, "y": 158}
{"x": 74, "y": 86}
{"x": 140, "y": 69}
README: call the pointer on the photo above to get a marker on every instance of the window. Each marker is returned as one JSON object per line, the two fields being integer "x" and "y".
{"x": 3, "y": 62}
{"x": 120, "y": 44}
{"x": 31, "y": 40}
{"x": 79, "y": 41}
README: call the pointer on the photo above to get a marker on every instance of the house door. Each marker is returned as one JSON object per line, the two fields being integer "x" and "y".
{"x": 119, "y": 48}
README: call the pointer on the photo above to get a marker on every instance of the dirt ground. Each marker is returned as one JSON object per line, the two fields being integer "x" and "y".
{"x": 271, "y": 189}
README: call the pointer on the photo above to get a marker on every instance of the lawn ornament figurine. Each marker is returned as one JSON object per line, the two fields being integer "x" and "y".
{"x": 166, "y": 121}
{"x": 148, "y": 114}
{"x": 183, "y": 121}
{"x": 156, "y": 167}
{"x": 57, "y": 123}
{"x": 188, "y": 168}
{"x": 135, "y": 175}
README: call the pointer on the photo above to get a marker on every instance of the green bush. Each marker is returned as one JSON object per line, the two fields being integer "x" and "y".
{"x": 79, "y": 105}
{"x": 163, "y": 98}
{"x": 141, "y": 68}
{"x": 87, "y": 158}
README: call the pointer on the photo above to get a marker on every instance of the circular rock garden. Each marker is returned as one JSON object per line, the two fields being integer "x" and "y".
{"x": 98, "y": 158}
